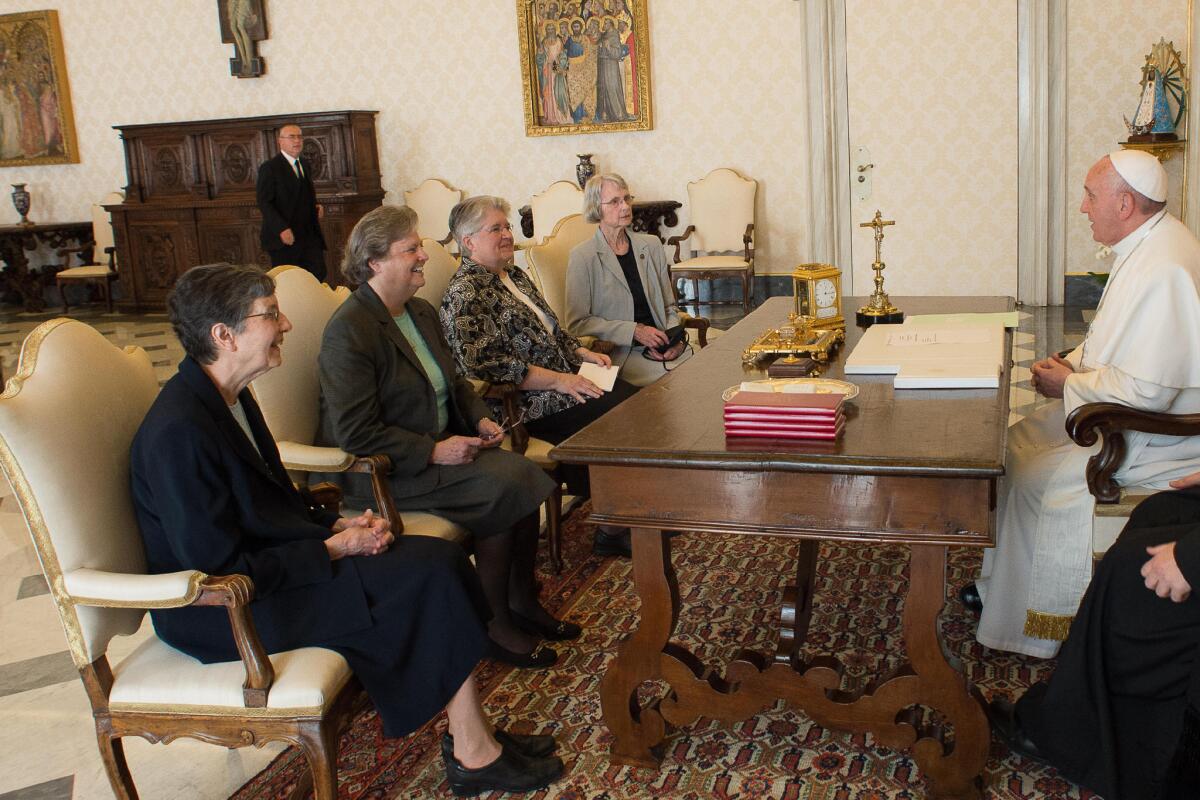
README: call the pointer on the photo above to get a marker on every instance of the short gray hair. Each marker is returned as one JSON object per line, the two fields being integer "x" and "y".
{"x": 592, "y": 190}
{"x": 372, "y": 237}
{"x": 466, "y": 218}
{"x": 212, "y": 293}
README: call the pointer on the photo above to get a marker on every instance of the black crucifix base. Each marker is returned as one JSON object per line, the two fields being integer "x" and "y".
{"x": 864, "y": 320}
{"x": 256, "y": 68}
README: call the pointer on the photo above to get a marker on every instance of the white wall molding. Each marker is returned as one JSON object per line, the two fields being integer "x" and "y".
{"x": 1042, "y": 157}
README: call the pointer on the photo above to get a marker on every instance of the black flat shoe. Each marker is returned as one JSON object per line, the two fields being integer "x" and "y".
{"x": 1003, "y": 717}
{"x": 538, "y": 658}
{"x": 969, "y": 595}
{"x": 527, "y": 744}
{"x": 511, "y": 772}
{"x": 561, "y": 631}
{"x": 612, "y": 544}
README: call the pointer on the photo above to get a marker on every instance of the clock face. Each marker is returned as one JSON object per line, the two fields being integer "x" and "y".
{"x": 825, "y": 293}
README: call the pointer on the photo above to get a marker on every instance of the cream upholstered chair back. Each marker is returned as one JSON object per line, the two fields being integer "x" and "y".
{"x": 721, "y": 205}
{"x": 561, "y": 199}
{"x": 548, "y": 260}
{"x": 102, "y": 232}
{"x": 290, "y": 394}
{"x": 432, "y": 201}
{"x": 81, "y": 519}
{"x": 439, "y": 269}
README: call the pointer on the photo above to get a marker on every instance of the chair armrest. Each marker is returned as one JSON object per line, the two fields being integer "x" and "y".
{"x": 379, "y": 467}
{"x": 1108, "y": 421}
{"x": 748, "y": 241}
{"x": 602, "y": 346}
{"x": 93, "y": 587}
{"x": 111, "y": 252}
{"x": 700, "y": 324}
{"x": 507, "y": 394}
{"x": 307, "y": 458}
{"x": 175, "y": 590}
{"x": 235, "y": 593}
{"x": 678, "y": 240}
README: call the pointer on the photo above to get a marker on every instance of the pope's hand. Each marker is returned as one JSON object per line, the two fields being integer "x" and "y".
{"x": 1186, "y": 481}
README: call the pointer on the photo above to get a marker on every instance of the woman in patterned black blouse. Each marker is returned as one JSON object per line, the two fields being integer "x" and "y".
{"x": 501, "y": 330}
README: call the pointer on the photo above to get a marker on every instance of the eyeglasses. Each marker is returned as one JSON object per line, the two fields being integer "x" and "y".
{"x": 272, "y": 314}
{"x": 616, "y": 201}
{"x": 495, "y": 229}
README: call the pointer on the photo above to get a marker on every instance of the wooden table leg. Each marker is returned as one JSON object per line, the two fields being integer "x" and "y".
{"x": 638, "y": 730}
{"x": 941, "y": 687}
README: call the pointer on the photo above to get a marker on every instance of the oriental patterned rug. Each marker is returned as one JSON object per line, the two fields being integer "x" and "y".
{"x": 731, "y": 588}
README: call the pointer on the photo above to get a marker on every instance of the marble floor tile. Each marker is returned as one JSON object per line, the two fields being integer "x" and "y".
{"x": 32, "y": 586}
{"x": 34, "y": 673}
{"x": 57, "y": 789}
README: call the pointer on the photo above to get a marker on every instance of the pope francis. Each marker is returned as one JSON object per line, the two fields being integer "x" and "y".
{"x": 1142, "y": 350}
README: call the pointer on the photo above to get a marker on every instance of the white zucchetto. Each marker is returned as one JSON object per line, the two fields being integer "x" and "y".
{"x": 1141, "y": 171}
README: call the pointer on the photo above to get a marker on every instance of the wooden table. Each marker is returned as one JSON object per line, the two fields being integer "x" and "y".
{"x": 16, "y": 239}
{"x": 913, "y": 466}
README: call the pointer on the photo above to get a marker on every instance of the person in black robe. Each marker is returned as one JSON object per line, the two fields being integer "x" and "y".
{"x": 211, "y": 494}
{"x": 1121, "y": 714}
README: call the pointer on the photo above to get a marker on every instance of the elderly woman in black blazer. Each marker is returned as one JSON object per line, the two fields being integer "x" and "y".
{"x": 388, "y": 385}
{"x": 502, "y": 331}
{"x": 211, "y": 494}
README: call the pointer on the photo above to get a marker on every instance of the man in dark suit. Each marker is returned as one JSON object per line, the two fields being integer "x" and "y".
{"x": 291, "y": 227}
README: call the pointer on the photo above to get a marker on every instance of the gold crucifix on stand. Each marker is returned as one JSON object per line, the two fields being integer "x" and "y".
{"x": 880, "y": 309}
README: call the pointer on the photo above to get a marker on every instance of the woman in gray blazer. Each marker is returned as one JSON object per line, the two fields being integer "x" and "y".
{"x": 619, "y": 287}
{"x": 389, "y": 385}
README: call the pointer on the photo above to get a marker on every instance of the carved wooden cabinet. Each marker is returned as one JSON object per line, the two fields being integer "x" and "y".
{"x": 190, "y": 198}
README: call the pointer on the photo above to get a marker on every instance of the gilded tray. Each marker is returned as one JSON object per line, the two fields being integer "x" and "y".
{"x": 819, "y": 386}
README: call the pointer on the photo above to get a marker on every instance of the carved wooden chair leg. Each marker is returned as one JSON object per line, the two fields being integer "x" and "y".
{"x": 745, "y": 293}
{"x": 554, "y": 527}
{"x": 108, "y": 287}
{"x": 62, "y": 292}
{"x": 696, "y": 294}
{"x": 319, "y": 740}
{"x": 112, "y": 753}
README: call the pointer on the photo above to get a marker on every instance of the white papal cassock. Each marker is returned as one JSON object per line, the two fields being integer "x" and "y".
{"x": 1142, "y": 350}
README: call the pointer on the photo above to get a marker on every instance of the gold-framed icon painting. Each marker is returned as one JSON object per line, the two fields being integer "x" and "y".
{"x": 585, "y": 66}
{"x": 36, "y": 124}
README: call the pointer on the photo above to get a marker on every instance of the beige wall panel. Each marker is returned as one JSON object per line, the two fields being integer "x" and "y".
{"x": 1107, "y": 43}
{"x": 933, "y": 96}
{"x": 728, "y": 91}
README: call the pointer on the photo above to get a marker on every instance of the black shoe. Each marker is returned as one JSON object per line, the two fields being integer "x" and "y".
{"x": 527, "y": 745}
{"x": 561, "y": 631}
{"x": 612, "y": 544}
{"x": 1007, "y": 726}
{"x": 969, "y": 595}
{"x": 511, "y": 772}
{"x": 541, "y": 656}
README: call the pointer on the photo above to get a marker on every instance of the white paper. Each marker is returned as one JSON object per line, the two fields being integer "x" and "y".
{"x": 756, "y": 386}
{"x": 937, "y": 336}
{"x": 949, "y": 356}
{"x": 604, "y": 377}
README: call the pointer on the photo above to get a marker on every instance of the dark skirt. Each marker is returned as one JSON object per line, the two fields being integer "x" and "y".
{"x": 1111, "y": 716}
{"x": 427, "y": 630}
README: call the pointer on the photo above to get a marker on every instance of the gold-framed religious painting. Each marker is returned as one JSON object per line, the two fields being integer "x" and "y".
{"x": 585, "y": 66}
{"x": 36, "y": 124}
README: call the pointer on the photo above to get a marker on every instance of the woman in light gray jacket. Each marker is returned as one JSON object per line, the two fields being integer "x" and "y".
{"x": 619, "y": 287}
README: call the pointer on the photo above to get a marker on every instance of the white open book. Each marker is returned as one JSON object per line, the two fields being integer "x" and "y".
{"x": 604, "y": 377}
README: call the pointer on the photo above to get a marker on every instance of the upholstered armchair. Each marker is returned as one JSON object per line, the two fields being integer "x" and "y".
{"x": 85, "y": 532}
{"x": 560, "y": 199}
{"x": 98, "y": 257}
{"x": 721, "y": 207}
{"x": 1107, "y": 423}
{"x": 432, "y": 201}
{"x": 289, "y": 397}
{"x": 439, "y": 270}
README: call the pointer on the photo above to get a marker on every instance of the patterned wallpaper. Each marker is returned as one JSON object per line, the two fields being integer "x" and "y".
{"x": 1106, "y": 45}
{"x": 933, "y": 97}
{"x": 727, "y": 85}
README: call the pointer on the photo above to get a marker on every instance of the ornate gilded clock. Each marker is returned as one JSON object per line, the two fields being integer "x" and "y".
{"x": 817, "y": 294}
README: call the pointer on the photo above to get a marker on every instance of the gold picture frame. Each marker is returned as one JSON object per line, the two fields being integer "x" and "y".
{"x": 36, "y": 123}
{"x": 593, "y": 79}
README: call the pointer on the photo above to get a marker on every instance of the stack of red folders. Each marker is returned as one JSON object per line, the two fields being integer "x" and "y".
{"x": 784, "y": 415}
